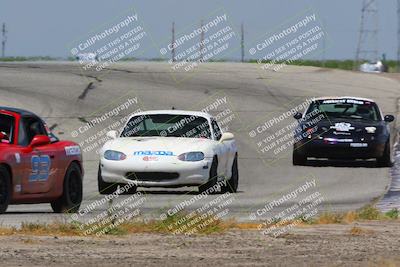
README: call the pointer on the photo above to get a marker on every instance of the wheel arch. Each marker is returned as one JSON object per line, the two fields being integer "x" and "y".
{"x": 79, "y": 165}
{"x": 214, "y": 159}
{"x": 77, "y": 162}
{"x": 9, "y": 169}
{"x": 230, "y": 163}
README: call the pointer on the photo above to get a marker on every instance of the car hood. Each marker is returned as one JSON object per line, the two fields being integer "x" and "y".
{"x": 160, "y": 146}
{"x": 352, "y": 122}
{"x": 345, "y": 125}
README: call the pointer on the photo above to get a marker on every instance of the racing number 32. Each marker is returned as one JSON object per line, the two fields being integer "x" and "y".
{"x": 40, "y": 168}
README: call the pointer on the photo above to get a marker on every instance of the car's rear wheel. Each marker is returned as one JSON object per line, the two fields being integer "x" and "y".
{"x": 297, "y": 159}
{"x": 233, "y": 183}
{"x": 386, "y": 159}
{"x": 5, "y": 189}
{"x": 213, "y": 178}
{"x": 71, "y": 199}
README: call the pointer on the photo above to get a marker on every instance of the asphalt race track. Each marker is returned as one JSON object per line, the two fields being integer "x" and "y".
{"x": 67, "y": 96}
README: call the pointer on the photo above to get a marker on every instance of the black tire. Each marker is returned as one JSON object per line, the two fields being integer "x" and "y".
{"x": 109, "y": 188}
{"x": 297, "y": 159}
{"x": 212, "y": 180}
{"x": 386, "y": 159}
{"x": 105, "y": 188}
{"x": 132, "y": 190}
{"x": 71, "y": 199}
{"x": 233, "y": 183}
{"x": 5, "y": 189}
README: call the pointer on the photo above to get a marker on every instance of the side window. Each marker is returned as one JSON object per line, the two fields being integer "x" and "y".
{"x": 29, "y": 128}
{"x": 7, "y": 128}
{"x": 216, "y": 130}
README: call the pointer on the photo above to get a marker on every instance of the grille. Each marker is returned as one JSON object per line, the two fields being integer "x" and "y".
{"x": 152, "y": 176}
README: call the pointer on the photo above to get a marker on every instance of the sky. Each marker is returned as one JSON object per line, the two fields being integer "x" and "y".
{"x": 48, "y": 27}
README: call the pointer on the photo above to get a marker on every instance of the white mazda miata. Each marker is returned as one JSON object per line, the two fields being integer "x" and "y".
{"x": 169, "y": 148}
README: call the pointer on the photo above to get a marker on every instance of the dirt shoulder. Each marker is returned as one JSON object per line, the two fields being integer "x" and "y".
{"x": 374, "y": 243}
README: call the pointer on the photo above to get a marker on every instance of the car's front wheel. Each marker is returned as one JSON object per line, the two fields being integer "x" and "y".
{"x": 213, "y": 178}
{"x": 386, "y": 159}
{"x": 109, "y": 188}
{"x": 233, "y": 183}
{"x": 71, "y": 199}
{"x": 297, "y": 159}
{"x": 5, "y": 189}
{"x": 104, "y": 187}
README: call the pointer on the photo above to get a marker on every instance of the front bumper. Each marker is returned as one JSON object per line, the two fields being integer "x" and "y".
{"x": 351, "y": 150}
{"x": 156, "y": 174}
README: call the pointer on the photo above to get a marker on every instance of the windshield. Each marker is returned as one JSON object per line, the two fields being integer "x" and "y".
{"x": 167, "y": 125}
{"x": 346, "y": 108}
{"x": 6, "y": 129}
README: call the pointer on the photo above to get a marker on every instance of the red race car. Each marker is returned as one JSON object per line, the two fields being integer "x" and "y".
{"x": 35, "y": 167}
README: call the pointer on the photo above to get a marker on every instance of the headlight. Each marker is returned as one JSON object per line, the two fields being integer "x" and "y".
{"x": 191, "y": 156}
{"x": 114, "y": 155}
{"x": 370, "y": 130}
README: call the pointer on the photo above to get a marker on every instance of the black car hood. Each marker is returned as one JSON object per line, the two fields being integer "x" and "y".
{"x": 353, "y": 122}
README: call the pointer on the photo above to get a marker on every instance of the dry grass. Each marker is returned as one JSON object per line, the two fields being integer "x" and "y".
{"x": 368, "y": 212}
{"x": 349, "y": 217}
{"x": 7, "y": 231}
{"x": 385, "y": 263}
{"x": 176, "y": 224}
{"x": 196, "y": 224}
{"x": 328, "y": 218}
{"x": 357, "y": 231}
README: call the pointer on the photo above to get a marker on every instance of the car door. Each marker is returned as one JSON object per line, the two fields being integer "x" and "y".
{"x": 41, "y": 163}
{"x": 222, "y": 148}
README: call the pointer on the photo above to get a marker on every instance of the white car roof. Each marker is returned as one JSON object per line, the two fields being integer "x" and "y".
{"x": 343, "y": 97}
{"x": 174, "y": 112}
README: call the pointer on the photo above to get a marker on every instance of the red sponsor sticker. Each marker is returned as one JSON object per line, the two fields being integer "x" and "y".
{"x": 150, "y": 158}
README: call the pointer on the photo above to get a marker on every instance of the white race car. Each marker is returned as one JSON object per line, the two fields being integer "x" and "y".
{"x": 169, "y": 148}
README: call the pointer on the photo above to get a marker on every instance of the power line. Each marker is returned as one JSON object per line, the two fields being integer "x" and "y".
{"x": 173, "y": 42}
{"x": 242, "y": 40}
{"x": 3, "y": 42}
{"x": 201, "y": 41}
{"x": 398, "y": 35}
{"x": 367, "y": 47}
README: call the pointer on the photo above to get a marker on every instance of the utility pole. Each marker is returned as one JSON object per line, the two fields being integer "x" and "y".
{"x": 3, "y": 42}
{"x": 242, "y": 40}
{"x": 323, "y": 59}
{"x": 398, "y": 35}
{"x": 201, "y": 41}
{"x": 367, "y": 48}
{"x": 173, "y": 42}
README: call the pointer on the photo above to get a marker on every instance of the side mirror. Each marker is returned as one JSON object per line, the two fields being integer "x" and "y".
{"x": 298, "y": 116}
{"x": 389, "y": 118}
{"x": 2, "y": 136}
{"x": 112, "y": 134}
{"x": 227, "y": 137}
{"x": 40, "y": 140}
